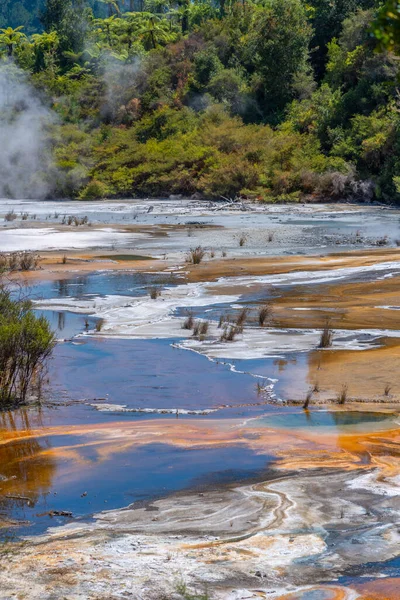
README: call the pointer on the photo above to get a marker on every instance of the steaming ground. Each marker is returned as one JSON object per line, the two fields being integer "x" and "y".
{"x": 26, "y": 168}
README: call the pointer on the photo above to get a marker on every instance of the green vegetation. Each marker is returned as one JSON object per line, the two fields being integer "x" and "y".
{"x": 264, "y": 99}
{"x": 26, "y": 342}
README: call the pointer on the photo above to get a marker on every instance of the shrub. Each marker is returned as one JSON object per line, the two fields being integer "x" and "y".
{"x": 94, "y": 190}
{"x": 264, "y": 314}
{"x": 19, "y": 261}
{"x": 241, "y": 318}
{"x": 229, "y": 333}
{"x": 196, "y": 255}
{"x": 200, "y": 328}
{"x": 387, "y": 389}
{"x": 189, "y": 321}
{"x": 326, "y": 337}
{"x": 242, "y": 240}
{"x": 342, "y": 396}
{"x": 28, "y": 261}
{"x": 154, "y": 292}
{"x": 26, "y": 342}
{"x": 308, "y": 399}
{"x": 10, "y": 216}
{"x": 99, "y": 325}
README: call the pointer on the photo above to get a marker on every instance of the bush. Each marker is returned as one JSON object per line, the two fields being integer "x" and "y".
{"x": 26, "y": 342}
{"x": 196, "y": 255}
{"x": 94, "y": 190}
{"x": 326, "y": 338}
{"x": 19, "y": 261}
{"x": 264, "y": 314}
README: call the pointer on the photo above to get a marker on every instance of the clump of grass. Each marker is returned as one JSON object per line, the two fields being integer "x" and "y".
{"x": 24, "y": 216}
{"x": 195, "y": 255}
{"x": 224, "y": 318}
{"x": 387, "y": 389}
{"x": 264, "y": 314}
{"x": 64, "y": 259}
{"x": 10, "y": 216}
{"x": 189, "y": 321}
{"x": 99, "y": 325}
{"x": 382, "y": 241}
{"x": 326, "y": 338}
{"x": 200, "y": 329}
{"x": 241, "y": 318}
{"x": 229, "y": 333}
{"x": 73, "y": 220}
{"x": 19, "y": 261}
{"x": 242, "y": 240}
{"x": 316, "y": 388}
{"x": 261, "y": 387}
{"x": 308, "y": 399}
{"x": 28, "y": 261}
{"x": 342, "y": 396}
{"x": 154, "y": 292}
{"x": 13, "y": 262}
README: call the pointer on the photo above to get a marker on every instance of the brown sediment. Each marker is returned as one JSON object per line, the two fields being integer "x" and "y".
{"x": 365, "y": 372}
{"x": 234, "y": 267}
{"x": 345, "y": 305}
{"x": 52, "y": 267}
{"x": 387, "y": 588}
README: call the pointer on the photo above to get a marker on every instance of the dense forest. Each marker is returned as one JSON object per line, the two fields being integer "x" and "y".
{"x": 267, "y": 99}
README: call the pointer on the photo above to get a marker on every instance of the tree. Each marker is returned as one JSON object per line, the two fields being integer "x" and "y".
{"x": 112, "y": 7}
{"x": 154, "y": 32}
{"x": 70, "y": 21}
{"x": 386, "y": 26}
{"x": 276, "y": 52}
{"x": 10, "y": 38}
{"x": 45, "y": 47}
{"x": 327, "y": 17}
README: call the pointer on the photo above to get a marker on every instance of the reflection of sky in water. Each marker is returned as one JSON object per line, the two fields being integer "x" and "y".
{"x": 148, "y": 374}
{"x": 106, "y": 482}
{"x": 100, "y": 284}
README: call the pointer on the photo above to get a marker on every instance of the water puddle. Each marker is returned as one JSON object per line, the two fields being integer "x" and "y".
{"x": 351, "y": 422}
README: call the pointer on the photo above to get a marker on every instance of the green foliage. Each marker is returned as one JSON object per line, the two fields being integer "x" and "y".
{"x": 218, "y": 99}
{"x": 386, "y": 26}
{"x": 26, "y": 342}
{"x": 276, "y": 52}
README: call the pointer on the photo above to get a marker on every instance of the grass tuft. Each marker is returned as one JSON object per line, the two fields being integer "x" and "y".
{"x": 264, "y": 314}
{"x": 326, "y": 339}
{"x": 342, "y": 396}
{"x": 195, "y": 255}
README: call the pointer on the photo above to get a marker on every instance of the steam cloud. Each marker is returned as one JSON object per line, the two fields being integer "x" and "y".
{"x": 26, "y": 168}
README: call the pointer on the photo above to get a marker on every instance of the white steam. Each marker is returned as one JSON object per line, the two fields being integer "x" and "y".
{"x": 25, "y": 157}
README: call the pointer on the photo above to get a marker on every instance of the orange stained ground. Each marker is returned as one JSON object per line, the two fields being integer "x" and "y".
{"x": 26, "y": 452}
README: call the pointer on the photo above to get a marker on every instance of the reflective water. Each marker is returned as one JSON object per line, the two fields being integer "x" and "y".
{"x": 339, "y": 422}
